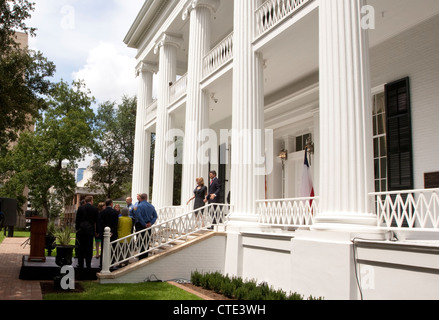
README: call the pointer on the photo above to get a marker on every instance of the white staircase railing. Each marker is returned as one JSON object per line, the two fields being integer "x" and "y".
{"x": 168, "y": 213}
{"x": 161, "y": 234}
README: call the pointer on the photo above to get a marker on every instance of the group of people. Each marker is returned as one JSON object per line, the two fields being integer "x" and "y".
{"x": 91, "y": 222}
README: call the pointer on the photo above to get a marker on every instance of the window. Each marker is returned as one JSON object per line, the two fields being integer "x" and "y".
{"x": 301, "y": 142}
{"x": 379, "y": 142}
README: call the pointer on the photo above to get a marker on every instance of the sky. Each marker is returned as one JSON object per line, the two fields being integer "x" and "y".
{"x": 84, "y": 38}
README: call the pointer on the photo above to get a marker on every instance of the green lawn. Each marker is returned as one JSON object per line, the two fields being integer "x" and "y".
{"x": 142, "y": 291}
{"x": 17, "y": 234}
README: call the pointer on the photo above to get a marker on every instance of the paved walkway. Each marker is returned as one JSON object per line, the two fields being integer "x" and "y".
{"x": 11, "y": 287}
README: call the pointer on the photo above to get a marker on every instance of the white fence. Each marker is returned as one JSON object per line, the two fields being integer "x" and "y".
{"x": 288, "y": 212}
{"x": 161, "y": 234}
{"x": 408, "y": 209}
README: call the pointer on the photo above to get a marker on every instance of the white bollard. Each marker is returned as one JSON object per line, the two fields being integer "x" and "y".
{"x": 106, "y": 252}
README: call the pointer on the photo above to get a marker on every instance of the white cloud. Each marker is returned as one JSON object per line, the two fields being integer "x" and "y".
{"x": 85, "y": 40}
{"x": 108, "y": 73}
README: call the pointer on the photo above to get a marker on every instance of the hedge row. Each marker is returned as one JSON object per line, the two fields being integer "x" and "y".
{"x": 237, "y": 288}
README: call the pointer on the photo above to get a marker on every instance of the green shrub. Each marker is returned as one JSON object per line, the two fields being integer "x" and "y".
{"x": 236, "y": 288}
{"x": 228, "y": 289}
{"x": 196, "y": 278}
{"x": 215, "y": 282}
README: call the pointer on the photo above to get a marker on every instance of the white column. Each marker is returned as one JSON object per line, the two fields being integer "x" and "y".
{"x": 247, "y": 176}
{"x": 346, "y": 168}
{"x": 197, "y": 115}
{"x": 142, "y": 152}
{"x": 162, "y": 194}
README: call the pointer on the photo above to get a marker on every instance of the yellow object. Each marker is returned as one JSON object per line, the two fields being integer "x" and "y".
{"x": 124, "y": 227}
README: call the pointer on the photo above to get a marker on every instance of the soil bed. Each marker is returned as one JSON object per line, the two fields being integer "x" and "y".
{"x": 211, "y": 294}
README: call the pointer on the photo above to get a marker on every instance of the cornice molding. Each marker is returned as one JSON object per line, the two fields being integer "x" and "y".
{"x": 212, "y": 5}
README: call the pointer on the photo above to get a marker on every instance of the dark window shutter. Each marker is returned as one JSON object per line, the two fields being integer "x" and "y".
{"x": 399, "y": 136}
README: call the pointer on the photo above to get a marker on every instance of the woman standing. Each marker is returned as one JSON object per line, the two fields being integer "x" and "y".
{"x": 200, "y": 194}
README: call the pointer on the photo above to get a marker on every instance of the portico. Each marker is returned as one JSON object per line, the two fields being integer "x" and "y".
{"x": 241, "y": 82}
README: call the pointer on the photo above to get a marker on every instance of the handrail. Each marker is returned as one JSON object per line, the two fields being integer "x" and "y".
{"x": 160, "y": 235}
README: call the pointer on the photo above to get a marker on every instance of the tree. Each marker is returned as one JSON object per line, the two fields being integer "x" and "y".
{"x": 114, "y": 151}
{"x": 24, "y": 73}
{"x": 44, "y": 160}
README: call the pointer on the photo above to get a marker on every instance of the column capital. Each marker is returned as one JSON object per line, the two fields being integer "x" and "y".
{"x": 212, "y": 5}
{"x": 168, "y": 39}
{"x": 144, "y": 66}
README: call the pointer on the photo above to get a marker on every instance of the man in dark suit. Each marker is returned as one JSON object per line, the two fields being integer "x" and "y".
{"x": 213, "y": 195}
{"x": 86, "y": 218}
{"x": 108, "y": 218}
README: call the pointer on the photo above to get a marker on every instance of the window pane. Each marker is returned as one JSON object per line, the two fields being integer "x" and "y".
{"x": 381, "y": 120}
{"x": 377, "y": 169}
{"x": 383, "y": 168}
{"x": 383, "y": 146}
{"x": 379, "y": 101}
{"x": 384, "y": 185}
{"x": 376, "y": 148}
{"x": 375, "y": 126}
{"x": 299, "y": 144}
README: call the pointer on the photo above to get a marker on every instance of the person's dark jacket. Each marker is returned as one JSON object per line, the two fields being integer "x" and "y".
{"x": 108, "y": 218}
{"x": 214, "y": 188}
{"x": 86, "y": 219}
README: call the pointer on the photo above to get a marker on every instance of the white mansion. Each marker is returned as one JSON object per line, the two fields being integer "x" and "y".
{"x": 247, "y": 88}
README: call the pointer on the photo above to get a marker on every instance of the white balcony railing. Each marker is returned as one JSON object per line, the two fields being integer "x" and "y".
{"x": 288, "y": 212}
{"x": 178, "y": 89}
{"x": 151, "y": 111}
{"x": 218, "y": 56}
{"x": 409, "y": 209}
{"x": 272, "y": 12}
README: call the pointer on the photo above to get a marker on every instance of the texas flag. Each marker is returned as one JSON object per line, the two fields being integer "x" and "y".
{"x": 307, "y": 187}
